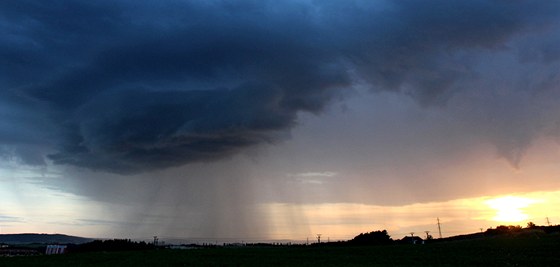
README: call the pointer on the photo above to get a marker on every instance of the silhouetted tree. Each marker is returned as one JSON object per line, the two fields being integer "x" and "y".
{"x": 531, "y": 225}
{"x": 503, "y": 229}
{"x": 372, "y": 238}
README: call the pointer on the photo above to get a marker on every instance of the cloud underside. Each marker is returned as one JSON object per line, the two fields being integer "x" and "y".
{"x": 130, "y": 88}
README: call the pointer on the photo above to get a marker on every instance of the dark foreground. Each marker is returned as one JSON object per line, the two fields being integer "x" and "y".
{"x": 495, "y": 251}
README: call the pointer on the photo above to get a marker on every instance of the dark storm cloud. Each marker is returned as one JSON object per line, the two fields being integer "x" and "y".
{"x": 130, "y": 86}
{"x": 426, "y": 49}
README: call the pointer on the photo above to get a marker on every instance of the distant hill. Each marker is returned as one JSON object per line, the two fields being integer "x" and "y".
{"x": 29, "y": 238}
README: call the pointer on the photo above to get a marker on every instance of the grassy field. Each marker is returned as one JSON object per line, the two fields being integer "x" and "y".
{"x": 499, "y": 251}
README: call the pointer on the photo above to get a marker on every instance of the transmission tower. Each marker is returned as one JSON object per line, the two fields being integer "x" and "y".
{"x": 547, "y": 221}
{"x": 439, "y": 227}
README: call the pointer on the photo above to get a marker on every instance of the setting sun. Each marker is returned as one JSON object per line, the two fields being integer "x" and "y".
{"x": 510, "y": 208}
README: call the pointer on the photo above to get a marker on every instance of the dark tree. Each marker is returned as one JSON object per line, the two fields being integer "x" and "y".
{"x": 372, "y": 238}
{"x": 503, "y": 229}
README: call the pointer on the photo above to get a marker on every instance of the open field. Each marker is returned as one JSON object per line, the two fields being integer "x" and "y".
{"x": 497, "y": 251}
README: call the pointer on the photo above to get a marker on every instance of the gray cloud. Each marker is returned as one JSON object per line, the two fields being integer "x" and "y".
{"x": 131, "y": 87}
{"x": 10, "y": 219}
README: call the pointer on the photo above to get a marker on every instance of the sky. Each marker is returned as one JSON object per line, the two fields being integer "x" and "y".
{"x": 278, "y": 120}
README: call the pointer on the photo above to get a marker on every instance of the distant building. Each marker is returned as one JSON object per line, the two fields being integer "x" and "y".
{"x": 411, "y": 240}
{"x": 55, "y": 249}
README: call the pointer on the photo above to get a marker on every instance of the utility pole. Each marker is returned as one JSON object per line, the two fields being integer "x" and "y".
{"x": 547, "y": 221}
{"x": 307, "y": 243}
{"x": 439, "y": 227}
{"x": 318, "y": 238}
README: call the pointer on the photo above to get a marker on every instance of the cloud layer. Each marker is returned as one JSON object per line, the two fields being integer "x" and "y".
{"x": 129, "y": 87}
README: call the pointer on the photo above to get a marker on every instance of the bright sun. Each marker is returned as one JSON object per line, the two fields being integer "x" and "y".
{"x": 509, "y": 208}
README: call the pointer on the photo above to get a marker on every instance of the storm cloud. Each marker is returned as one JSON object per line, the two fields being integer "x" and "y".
{"x": 132, "y": 86}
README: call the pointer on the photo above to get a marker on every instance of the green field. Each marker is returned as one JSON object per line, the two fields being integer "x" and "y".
{"x": 497, "y": 251}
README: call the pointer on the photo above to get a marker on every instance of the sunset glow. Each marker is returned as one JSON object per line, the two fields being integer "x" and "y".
{"x": 510, "y": 209}
{"x": 343, "y": 220}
